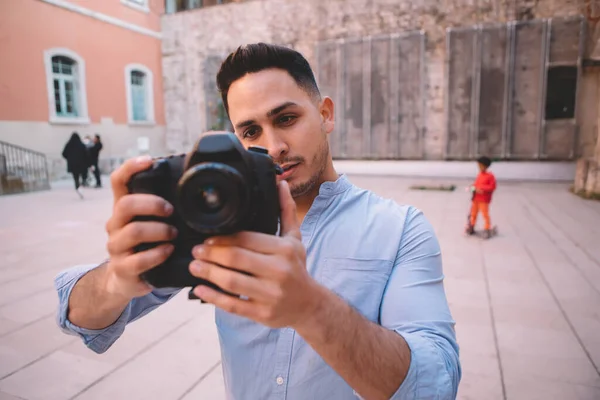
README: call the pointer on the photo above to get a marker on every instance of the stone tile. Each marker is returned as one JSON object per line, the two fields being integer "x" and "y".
{"x": 458, "y": 269}
{"x": 28, "y": 266}
{"x": 6, "y": 396}
{"x": 476, "y": 363}
{"x": 588, "y": 330}
{"x": 31, "y": 308}
{"x": 29, "y": 344}
{"x": 538, "y": 389}
{"x": 531, "y": 317}
{"x": 466, "y": 292}
{"x": 470, "y": 314}
{"x": 8, "y": 325}
{"x": 568, "y": 281}
{"x": 477, "y": 339}
{"x": 209, "y": 388}
{"x": 184, "y": 356}
{"x": 144, "y": 333}
{"x": 57, "y": 377}
{"x": 538, "y": 342}
{"x": 558, "y": 369}
{"x": 502, "y": 271}
{"x": 10, "y": 274}
{"x": 579, "y": 257}
{"x": 522, "y": 294}
{"x": 28, "y": 287}
{"x": 480, "y": 387}
{"x": 582, "y": 307}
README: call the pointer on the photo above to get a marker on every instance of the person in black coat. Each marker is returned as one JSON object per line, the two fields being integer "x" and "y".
{"x": 94, "y": 152}
{"x": 77, "y": 158}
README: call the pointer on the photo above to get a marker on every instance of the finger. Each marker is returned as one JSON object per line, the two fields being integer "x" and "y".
{"x": 228, "y": 303}
{"x": 255, "y": 241}
{"x": 289, "y": 220}
{"x": 135, "y": 233}
{"x": 233, "y": 281}
{"x": 138, "y": 263}
{"x": 241, "y": 259}
{"x": 238, "y": 258}
{"x": 133, "y": 205}
{"x": 122, "y": 175}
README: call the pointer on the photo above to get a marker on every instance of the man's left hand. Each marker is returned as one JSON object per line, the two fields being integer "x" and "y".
{"x": 279, "y": 290}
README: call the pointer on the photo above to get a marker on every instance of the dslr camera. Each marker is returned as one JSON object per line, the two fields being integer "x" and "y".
{"x": 218, "y": 189}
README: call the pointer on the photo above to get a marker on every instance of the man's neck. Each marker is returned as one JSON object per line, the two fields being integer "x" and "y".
{"x": 304, "y": 202}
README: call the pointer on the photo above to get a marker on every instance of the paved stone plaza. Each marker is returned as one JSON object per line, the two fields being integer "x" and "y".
{"x": 527, "y": 303}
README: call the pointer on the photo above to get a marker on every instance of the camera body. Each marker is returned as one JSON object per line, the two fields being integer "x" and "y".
{"x": 219, "y": 188}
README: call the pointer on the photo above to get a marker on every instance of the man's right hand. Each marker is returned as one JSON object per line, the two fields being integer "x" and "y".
{"x": 122, "y": 278}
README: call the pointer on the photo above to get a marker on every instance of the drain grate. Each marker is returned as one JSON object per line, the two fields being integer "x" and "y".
{"x": 440, "y": 188}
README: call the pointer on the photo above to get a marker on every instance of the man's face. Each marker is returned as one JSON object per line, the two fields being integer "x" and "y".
{"x": 269, "y": 109}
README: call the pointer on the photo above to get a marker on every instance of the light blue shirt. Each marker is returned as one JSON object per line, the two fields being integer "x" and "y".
{"x": 382, "y": 258}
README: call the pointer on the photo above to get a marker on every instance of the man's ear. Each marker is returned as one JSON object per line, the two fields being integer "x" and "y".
{"x": 327, "y": 111}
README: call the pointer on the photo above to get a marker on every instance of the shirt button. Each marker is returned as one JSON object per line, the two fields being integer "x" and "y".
{"x": 279, "y": 380}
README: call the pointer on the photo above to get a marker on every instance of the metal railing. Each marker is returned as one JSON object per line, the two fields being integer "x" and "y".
{"x": 22, "y": 170}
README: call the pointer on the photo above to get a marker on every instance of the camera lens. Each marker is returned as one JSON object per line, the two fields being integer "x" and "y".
{"x": 212, "y": 198}
{"x": 209, "y": 199}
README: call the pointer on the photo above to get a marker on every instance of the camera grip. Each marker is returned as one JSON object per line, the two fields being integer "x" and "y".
{"x": 148, "y": 218}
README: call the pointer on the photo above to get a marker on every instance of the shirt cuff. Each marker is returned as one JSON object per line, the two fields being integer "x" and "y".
{"x": 98, "y": 340}
{"x": 427, "y": 377}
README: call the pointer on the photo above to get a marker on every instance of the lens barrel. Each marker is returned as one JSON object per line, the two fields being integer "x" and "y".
{"x": 213, "y": 198}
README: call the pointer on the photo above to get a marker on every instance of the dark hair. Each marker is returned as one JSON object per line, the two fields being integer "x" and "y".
{"x": 485, "y": 161}
{"x": 260, "y": 56}
{"x": 75, "y": 138}
{"x": 97, "y": 136}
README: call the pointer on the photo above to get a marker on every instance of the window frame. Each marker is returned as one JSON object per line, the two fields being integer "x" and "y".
{"x": 79, "y": 86}
{"x": 149, "y": 95}
{"x": 136, "y": 6}
{"x": 553, "y": 83}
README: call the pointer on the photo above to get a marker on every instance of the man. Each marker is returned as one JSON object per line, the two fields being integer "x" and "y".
{"x": 95, "y": 148}
{"x": 347, "y": 302}
{"x": 87, "y": 141}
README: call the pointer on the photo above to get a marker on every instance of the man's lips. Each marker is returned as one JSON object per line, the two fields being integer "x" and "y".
{"x": 286, "y": 167}
{"x": 288, "y": 170}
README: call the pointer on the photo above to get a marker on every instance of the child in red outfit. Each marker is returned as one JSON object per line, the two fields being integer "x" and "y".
{"x": 484, "y": 186}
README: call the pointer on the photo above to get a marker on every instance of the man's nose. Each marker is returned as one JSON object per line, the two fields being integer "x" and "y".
{"x": 276, "y": 145}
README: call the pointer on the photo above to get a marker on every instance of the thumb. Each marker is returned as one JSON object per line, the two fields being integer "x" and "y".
{"x": 289, "y": 221}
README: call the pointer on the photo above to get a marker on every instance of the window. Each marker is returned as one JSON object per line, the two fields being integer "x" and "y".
{"x": 173, "y": 6}
{"x": 65, "y": 76}
{"x": 140, "y": 96}
{"x": 140, "y": 5}
{"x": 65, "y": 95}
{"x": 560, "y": 92}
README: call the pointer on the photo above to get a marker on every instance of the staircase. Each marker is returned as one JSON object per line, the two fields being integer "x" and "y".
{"x": 22, "y": 170}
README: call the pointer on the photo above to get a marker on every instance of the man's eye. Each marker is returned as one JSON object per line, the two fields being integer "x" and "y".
{"x": 286, "y": 119}
{"x": 250, "y": 133}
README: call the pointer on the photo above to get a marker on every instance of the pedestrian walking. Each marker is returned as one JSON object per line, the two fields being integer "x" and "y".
{"x": 94, "y": 151}
{"x": 77, "y": 158}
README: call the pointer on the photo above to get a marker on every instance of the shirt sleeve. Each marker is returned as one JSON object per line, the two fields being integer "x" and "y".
{"x": 100, "y": 340}
{"x": 414, "y": 305}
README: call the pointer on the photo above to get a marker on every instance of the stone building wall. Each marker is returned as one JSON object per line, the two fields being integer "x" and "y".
{"x": 191, "y": 37}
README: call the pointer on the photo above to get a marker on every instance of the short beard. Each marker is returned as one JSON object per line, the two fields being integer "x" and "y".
{"x": 320, "y": 160}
